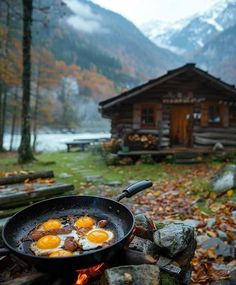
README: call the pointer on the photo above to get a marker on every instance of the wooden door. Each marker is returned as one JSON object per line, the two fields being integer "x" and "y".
{"x": 181, "y": 124}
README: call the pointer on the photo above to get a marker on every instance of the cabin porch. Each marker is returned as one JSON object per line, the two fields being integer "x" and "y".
{"x": 180, "y": 154}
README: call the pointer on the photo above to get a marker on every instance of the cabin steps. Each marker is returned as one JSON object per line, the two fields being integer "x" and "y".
{"x": 188, "y": 158}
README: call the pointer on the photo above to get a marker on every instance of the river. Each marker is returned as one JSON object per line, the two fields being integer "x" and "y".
{"x": 54, "y": 142}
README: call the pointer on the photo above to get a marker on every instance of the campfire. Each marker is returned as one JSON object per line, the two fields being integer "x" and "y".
{"x": 84, "y": 275}
{"x": 149, "y": 257}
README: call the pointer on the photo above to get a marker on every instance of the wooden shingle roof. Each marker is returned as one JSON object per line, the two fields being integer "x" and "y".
{"x": 229, "y": 89}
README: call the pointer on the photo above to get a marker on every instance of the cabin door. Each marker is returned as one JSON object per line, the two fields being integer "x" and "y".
{"x": 181, "y": 124}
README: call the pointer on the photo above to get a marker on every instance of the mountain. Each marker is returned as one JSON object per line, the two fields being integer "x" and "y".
{"x": 191, "y": 34}
{"x": 89, "y": 35}
{"x": 218, "y": 56}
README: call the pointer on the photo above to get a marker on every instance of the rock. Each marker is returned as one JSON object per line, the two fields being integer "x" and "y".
{"x": 186, "y": 277}
{"x": 64, "y": 175}
{"x": 132, "y": 274}
{"x": 224, "y": 179}
{"x": 163, "y": 261}
{"x": 113, "y": 183}
{"x": 221, "y": 248}
{"x": 172, "y": 269}
{"x": 185, "y": 257}
{"x": 230, "y": 269}
{"x": 191, "y": 222}
{"x": 141, "y": 220}
{"x": 211, "y": 222}
{"x": 222, "y": 235}
{"x": 234, "y": 214}
{"x": 173, "y": 238}
{"x": 218, "y": 147}
{"x": 202, "y": 238}
{"x": 93, "y": 178}
{"x": 167, "y": 279}
{"x": 143, "y": 245}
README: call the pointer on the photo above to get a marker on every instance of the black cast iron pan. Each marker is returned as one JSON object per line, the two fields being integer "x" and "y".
{"x": 120, "y": 220}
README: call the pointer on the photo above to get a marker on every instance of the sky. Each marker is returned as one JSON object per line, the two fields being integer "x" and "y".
{"x": 143, "y": 11}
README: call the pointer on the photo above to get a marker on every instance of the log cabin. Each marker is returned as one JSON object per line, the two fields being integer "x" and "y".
{"x": 186, "y": 107}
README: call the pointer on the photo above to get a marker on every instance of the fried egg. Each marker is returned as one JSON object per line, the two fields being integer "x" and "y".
{"x": 95, "y": 238}
{"x": 61, "y": 253}
{"x": 46, "y": 245}
{"x": 49, "y": 244}
{"x": 51, "y": 224}
{"x": 85, "y": 222}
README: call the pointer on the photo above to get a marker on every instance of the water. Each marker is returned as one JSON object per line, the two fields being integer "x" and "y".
{"x": 54, "y": 142}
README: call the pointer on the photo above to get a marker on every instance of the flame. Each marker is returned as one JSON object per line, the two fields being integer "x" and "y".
{"x": 85, "y": 274}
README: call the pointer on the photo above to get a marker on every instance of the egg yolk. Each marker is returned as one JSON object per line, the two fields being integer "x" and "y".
{"x": 60, "y": 253}
{"x": 98, "y": 236}
{"x": 51, "y": 224}
{"x": 84, "y": 222}
{"x": 48, "y": 242}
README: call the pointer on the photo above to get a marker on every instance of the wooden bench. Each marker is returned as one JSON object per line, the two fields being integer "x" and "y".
{"x": 77, "y": 144}
{"x": 83, "y": 143}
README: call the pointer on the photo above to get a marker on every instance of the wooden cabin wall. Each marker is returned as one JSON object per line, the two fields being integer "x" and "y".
{"x": 232, "y": 116}
{"x": 207, "y": 135}
{"x": 122, "y": 120}
{"x": 127, "y": 120}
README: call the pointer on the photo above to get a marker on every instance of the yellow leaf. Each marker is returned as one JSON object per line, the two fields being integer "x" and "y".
{"x": 230, "y": 193}
{"x": 157, "y": 193}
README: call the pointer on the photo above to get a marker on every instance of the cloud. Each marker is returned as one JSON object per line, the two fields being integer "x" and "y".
{"x": 84, "y": 19}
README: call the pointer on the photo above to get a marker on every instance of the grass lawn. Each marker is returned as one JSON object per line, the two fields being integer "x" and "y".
{"x": 81, "y": 164}
{"x": 73, "y": 167}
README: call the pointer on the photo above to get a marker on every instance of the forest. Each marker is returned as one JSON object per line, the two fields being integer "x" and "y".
{"x": 58, "y": 93}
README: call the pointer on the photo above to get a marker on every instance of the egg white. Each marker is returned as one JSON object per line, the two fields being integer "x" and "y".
{"x": 39, "y": 251}
{"x": 85, "y": 244}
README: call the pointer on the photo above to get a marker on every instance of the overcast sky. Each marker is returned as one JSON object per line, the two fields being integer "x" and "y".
{"x": 142, "y": 11}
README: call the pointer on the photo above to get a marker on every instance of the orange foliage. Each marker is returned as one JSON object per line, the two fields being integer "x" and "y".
{"x": 99, "y": 86}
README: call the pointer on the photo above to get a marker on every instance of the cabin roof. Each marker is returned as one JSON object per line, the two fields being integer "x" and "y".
{"x": 169, "y": 75}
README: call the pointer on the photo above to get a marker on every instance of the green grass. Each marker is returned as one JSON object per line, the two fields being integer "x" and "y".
{"x": 78, "y": 165}
{"x": 82, "y": 164}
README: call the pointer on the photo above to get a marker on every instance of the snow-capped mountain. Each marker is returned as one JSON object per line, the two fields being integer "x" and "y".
{"x": 191, "y": 34}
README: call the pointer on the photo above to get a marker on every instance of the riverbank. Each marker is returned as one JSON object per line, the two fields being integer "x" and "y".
{"x": 51, "y": 142}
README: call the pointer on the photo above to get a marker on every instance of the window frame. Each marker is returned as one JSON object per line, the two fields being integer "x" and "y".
{"x": 153, "y": 123}
{"x": 212, "y": 123}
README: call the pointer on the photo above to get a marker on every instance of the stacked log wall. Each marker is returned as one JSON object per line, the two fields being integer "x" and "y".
{"x": 206, "y": 135}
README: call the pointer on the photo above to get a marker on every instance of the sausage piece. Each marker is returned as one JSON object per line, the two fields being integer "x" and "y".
{"x": 70, "y": 244}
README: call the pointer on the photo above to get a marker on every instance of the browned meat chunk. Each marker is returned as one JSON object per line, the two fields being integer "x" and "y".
{"x": 70, "y": 244}
{"x": 36, "y": 234}
{"x": 102, "y": 223}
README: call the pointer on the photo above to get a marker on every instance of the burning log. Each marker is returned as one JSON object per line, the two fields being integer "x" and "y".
{"x": 84, "y": 275}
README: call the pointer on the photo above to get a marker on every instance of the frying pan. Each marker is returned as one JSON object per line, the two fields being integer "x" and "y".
{"x": 120, "y": 221}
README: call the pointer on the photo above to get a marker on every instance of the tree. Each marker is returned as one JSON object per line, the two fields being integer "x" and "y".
{"x": 25, "y": 151}
{"x": 45, "y": 76}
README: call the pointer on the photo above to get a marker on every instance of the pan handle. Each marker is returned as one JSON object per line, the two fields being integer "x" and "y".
{"x": 134, "y": 189}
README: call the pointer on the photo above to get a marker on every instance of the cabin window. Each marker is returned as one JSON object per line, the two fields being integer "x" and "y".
{"x": 147, "y": 117}
{"x": 214, "y": 114}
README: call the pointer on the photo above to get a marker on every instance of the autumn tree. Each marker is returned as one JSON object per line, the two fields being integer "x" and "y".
{"x": 66, "y": 74}
{"x": 25, "y": 151}
{"x": 45, "y": 77}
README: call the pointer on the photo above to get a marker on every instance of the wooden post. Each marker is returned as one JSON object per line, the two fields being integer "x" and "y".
{"x": 160, "y": 134}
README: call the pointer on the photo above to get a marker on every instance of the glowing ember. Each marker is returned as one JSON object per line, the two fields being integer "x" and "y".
{"x": 85, "y": 274}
